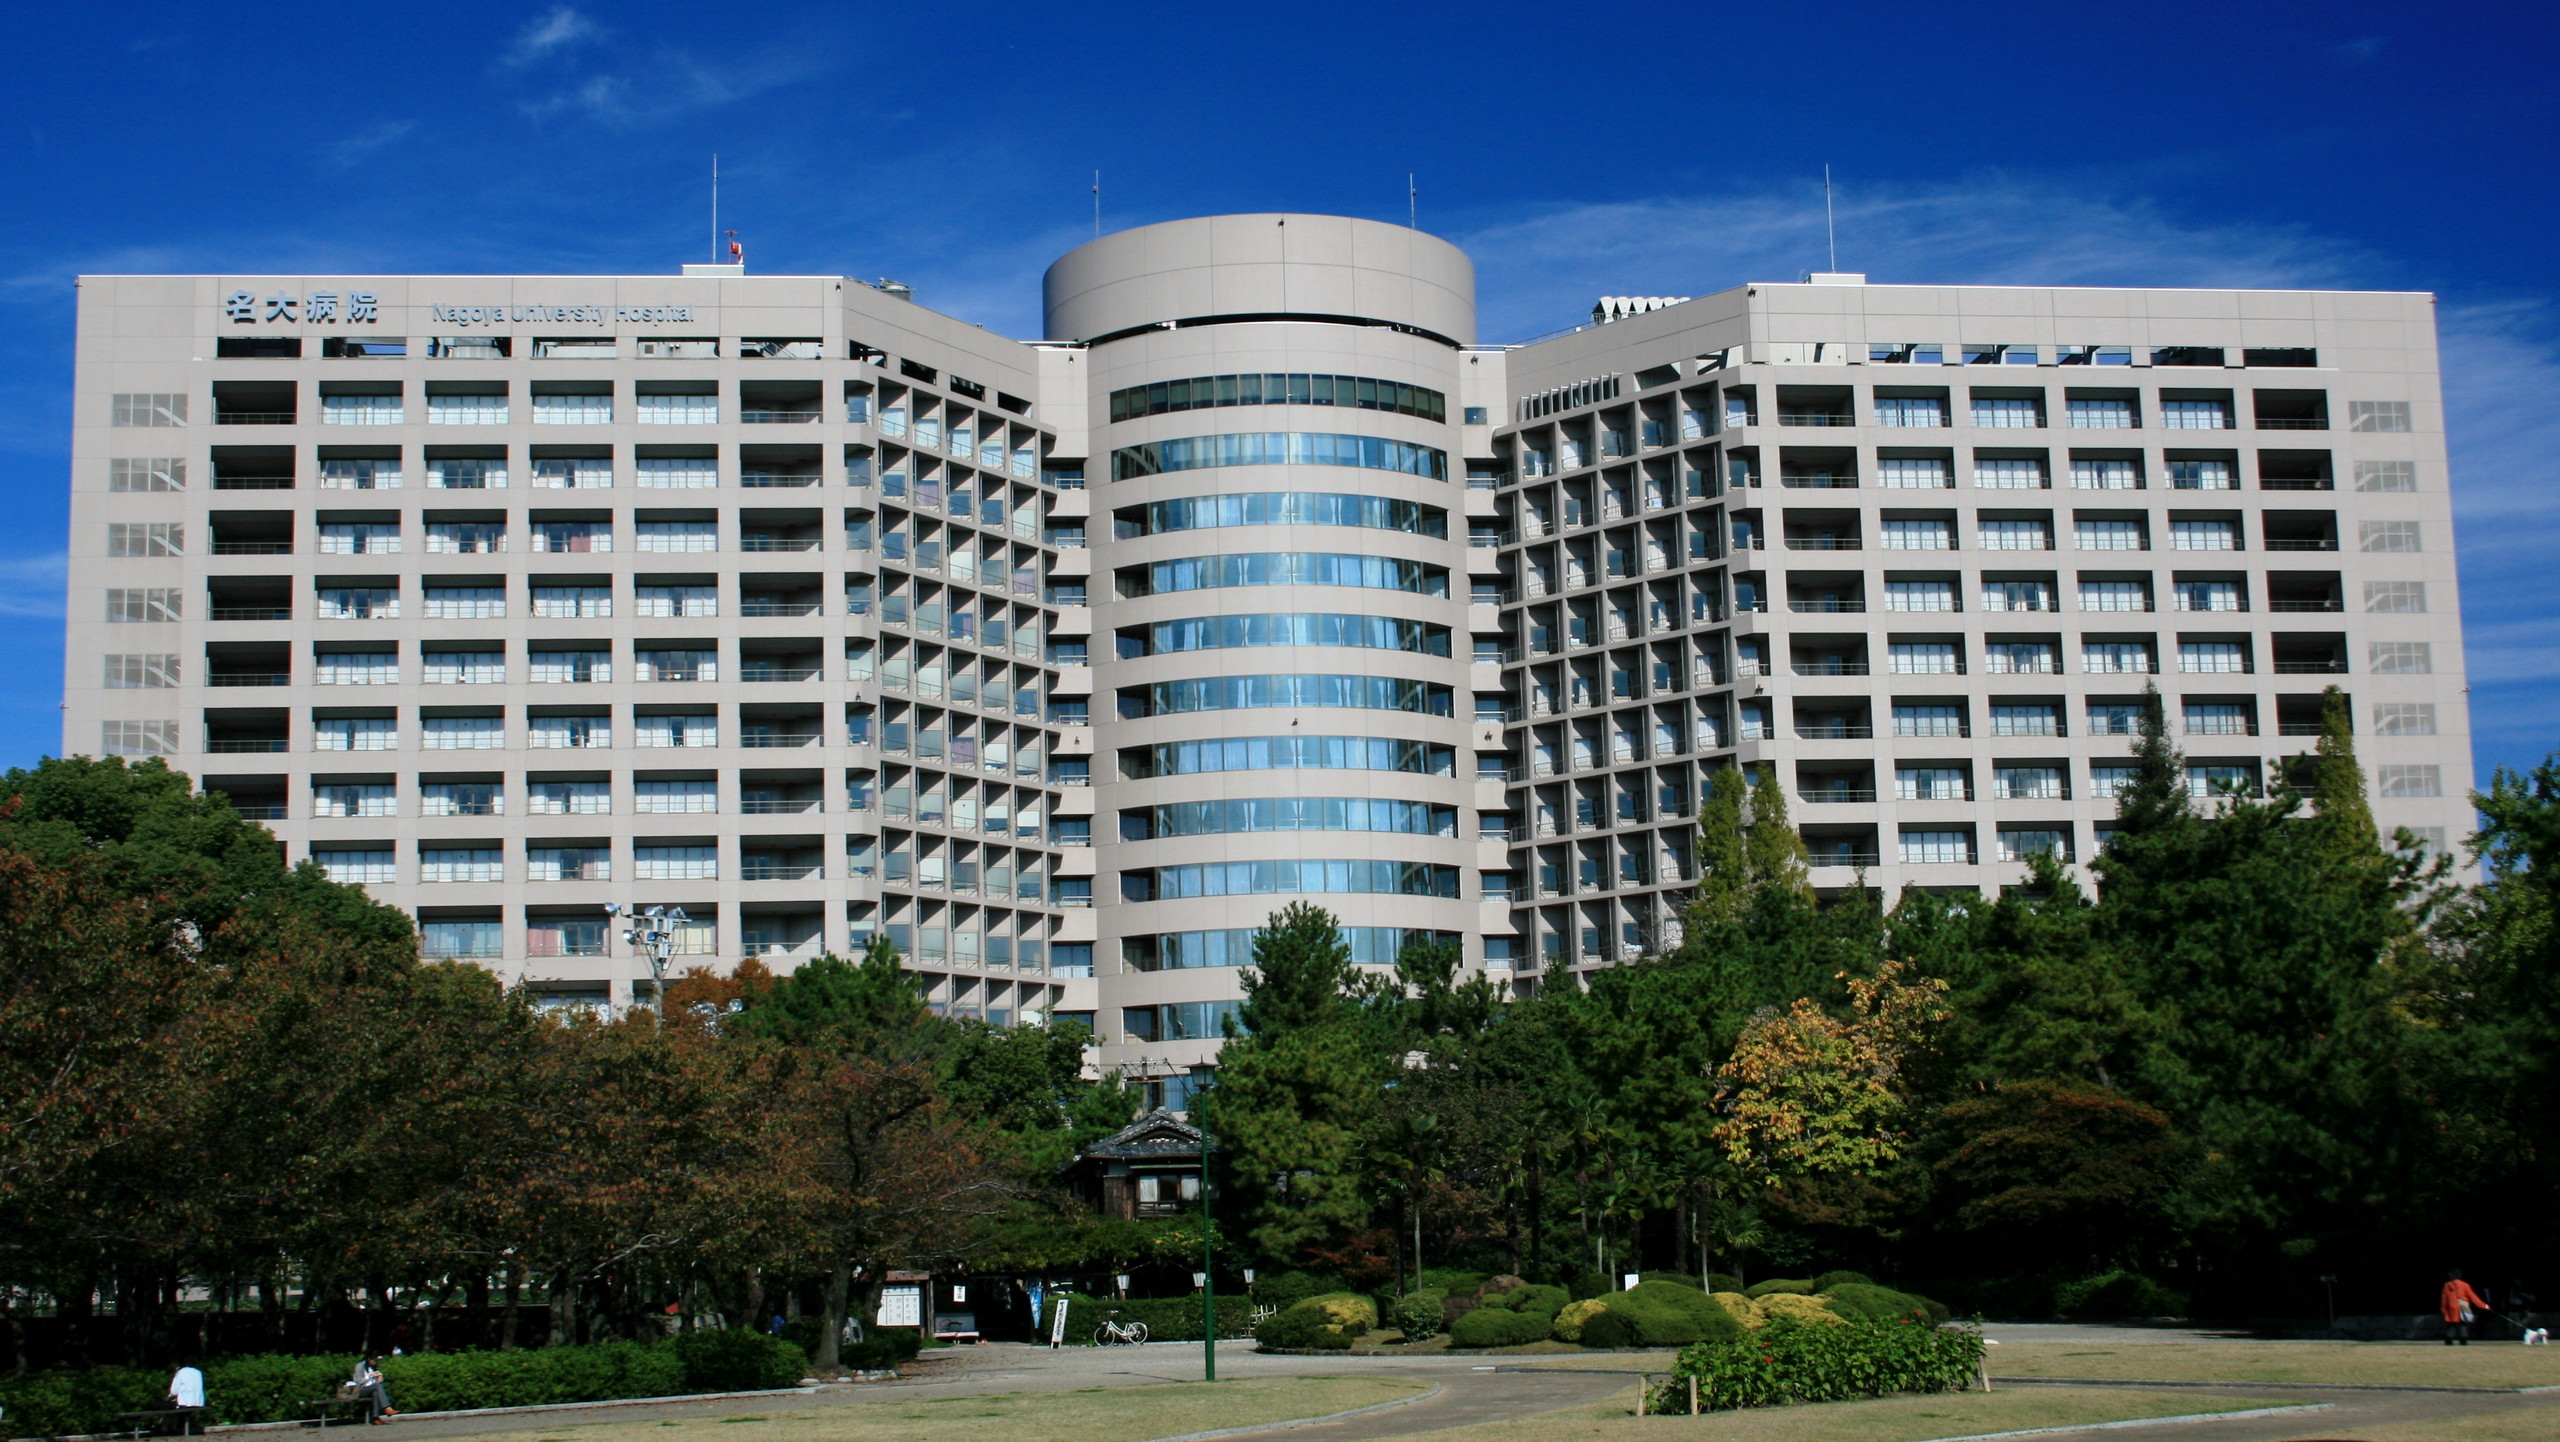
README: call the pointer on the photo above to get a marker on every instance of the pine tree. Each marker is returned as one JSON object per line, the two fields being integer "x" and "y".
{"x": 1774, "y": 853}
{"x": 1300, "y": 975}
{"x": 2337, "y": 778}
{"x": 2157, "y": 795}
{"x": 1723, "y": 892}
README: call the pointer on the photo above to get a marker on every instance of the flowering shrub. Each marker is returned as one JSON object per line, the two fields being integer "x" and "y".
{"x": 1787, "y": 1361}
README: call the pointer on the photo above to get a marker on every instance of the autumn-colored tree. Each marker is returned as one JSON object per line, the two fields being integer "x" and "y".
{"x": 1805, "y": 1091}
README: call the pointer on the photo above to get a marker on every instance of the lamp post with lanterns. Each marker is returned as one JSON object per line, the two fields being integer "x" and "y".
{"x": 652, "y": 933}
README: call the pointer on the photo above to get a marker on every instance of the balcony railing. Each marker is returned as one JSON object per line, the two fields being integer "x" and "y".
{"x": 2293, "y": 423}
{"x": 767, "y": 479}
{"x": 788, "y": 806}
{"x": 1818, "y": 481}
{"x": 248, "y": 678}
{"x": 779, "y": 871}
{"x": 234, "y": 746}
{"x": 2314, "y": 543}
{"x": 777, "y": 543}
{"x": 253, "y": 418}
{"x": 252, "y": 613}
{"x": 1825, "y": 605}
{"x": 1846, "y": 858}
{"x": 779, "y": 418}
{"x": 1820, "y": 668}
{"x": 773, "y": 740}
{"x": 1833, "y": 731}
{"x": 1841, "y": 795}
{"x": 253, "y": 548}
{"x": 778, "y": 608}
{"x": 252, "y": 483}
{"x": 1823, "y": 543}
{"x": 2298, "y": 728}
{"x": 270, "y": 810}
{"x": 754, "y": 671}
{"x": 2331, "y": 604}
{"x": 1817, "y": 418}
{"x": 2225, "y": 728}
{"x": 2297, "y": 483}
{"x": 2310, "y": 668}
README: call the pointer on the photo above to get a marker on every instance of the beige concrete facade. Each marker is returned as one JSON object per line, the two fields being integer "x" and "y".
{"x": 1271, "y": 584}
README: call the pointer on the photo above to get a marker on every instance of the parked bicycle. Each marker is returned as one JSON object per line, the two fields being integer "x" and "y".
{"x": 1113, "y": 1332}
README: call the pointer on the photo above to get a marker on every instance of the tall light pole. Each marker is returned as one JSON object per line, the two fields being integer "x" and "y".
{"x": 1208, "y": 1270}
{"x": 653, "y": 934}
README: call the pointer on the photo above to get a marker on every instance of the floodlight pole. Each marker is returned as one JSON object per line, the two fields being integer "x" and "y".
{"x": 653, "y": 934}
{"x": 1208, "y": 1271}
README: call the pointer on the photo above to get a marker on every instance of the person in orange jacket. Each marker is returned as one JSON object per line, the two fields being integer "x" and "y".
{"x": 2458, "y": 1304}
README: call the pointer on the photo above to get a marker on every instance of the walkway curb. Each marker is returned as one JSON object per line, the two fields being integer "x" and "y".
{"x": 1424, "y": 1396}
{"x": 228, "y": 1427}
{"x": 2137, "y": 1422}
{"x": 2267, "y": 1386}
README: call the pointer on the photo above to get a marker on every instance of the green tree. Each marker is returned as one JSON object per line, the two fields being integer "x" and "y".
{"x": 1774, "y": 854}
{"x": 1723, "y": 891}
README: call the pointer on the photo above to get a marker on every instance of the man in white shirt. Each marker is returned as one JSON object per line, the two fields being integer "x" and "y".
{"x": 186, "y": 1390}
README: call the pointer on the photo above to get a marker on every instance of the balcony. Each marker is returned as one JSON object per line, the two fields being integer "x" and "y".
{"x": 2326, "y": 604}
{"x": 252, "y": 613}
{"x": 1817, "y": 418}
{"x": 225, "y": 416}
{"x": 252, "y": 548}
{"x": 1821, "y": 668}
{"x": 766, "y": 480}
{"x": 259, "y": 810}
{"x": 1833, "y": 731}
{"x": 780, "y": 417}
{"x": 782, "y": 805}
{"x": 244, "y": 745}
{"x": 765, "y": 738}
{"x": 228, "y": 481}
{"x": 1826, "y": 605}
{"x": 755, "y": 606}
{"x": 776, "y": 671}
{"x": 1818, "y": 480}
{"x": 1846, "y": 858}
{"x": 756, "y": 868}
{"x": 249, "y": 678}
{"x": 768, "y": 541}
{"x": 1837, "y": 795}
{"x": 2331, "y": 667}
{"x": 1823, "y": 541}
{"x": 2301, "y": 543}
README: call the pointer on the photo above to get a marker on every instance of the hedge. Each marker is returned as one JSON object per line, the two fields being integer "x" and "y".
{"x": 1879, "y": 1304}
{"x": 1419, "y": 1314}
{"x": 1168, "y": 1319}
{"x": 1305, "y": 1327}
{"x": 1788, "y": 1362}
{"x": 1658, "y": 1314}
{"x": 1491, "y": 1326}
{"x": 1793, "y": 1286}
{"x": 270, "y": 1388}
{"x": 739, "y": 1361}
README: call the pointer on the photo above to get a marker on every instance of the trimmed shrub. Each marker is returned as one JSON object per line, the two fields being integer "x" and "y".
{"x": 739, "y": 1361}
{"x": 1305, "y": 1327}
{"x": 883, "y": 1348}
{"x": 1608, "y": 1328}
{"x": 1880, "y": 1304}
{"x": 1802, "y": 1310}
{"x": 1739, "y": 1307}
{"x": 1793, "y": 1286}
{"x": 1683, "y": 1278}
{"x": 1287, "y": 1289}
{"x": 1498, "y": 1327}
{"x": 1790, "y": 1363}
{"x": 54, "y": 1404}
{"x": 2118, "y": 1294}
{"x": 1452, "y": 1281}
{"x": 1723, "y": 1282}
{"x": 1829, "y": 1280}
{"x": 1536, "y": 1299}
{"x": 1346, "y": 1312}
{"x": 1568, "y": 1322}
{"x": 1168, "y": 1319}
{"x": 1419, "y": 1314}
{"x": 1659, "y": 1314}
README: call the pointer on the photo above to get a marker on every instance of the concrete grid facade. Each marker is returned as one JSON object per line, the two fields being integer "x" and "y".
{"x": 1064, "y": 663}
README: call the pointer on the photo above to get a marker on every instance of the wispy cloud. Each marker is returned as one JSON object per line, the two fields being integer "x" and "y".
{"x": 2362, "y": 50}
{"x": 560, "y": 30}
{"x": 347, "y": 150}
{"x": 679, "y": 83}
{"x": 31, "y": 586}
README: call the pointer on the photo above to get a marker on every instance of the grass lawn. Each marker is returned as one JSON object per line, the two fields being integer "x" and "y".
{"x": 1888, "y": 1419}
{"x": 2430, "y": 1363}
{"x": 1094, "y": 1414}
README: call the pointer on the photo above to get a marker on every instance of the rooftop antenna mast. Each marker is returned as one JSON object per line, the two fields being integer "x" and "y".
{"x": 1829, "y": 231}
{"x": 1412, "y": 204}
{"x": 1097, "y": 205}
{"x": 715, "y": 207}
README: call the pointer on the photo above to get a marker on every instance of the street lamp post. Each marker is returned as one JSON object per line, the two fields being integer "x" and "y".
{"x": 653, "y": 934}
{"x": 1208, "y": 1272}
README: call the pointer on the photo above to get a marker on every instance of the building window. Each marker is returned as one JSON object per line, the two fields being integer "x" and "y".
{"x": 467, "y": 410}
{"x": 158, "y": 473}
{"x": 2404, "y": 718}
{"x": 146, "y": 538}
{"x": 148, "y": 409}
{"x": 2408, "y": 781}
{"x": 1936, "y": 848}
{"x": 2106, "y": 475}
{"x": 149, "y": 603}
{"x": 2203, "y": 475}
{"x": 2387, "y": 535}
{"x": 2019, "y": 843}
{"x": 2386, "y": 476}
{"x": 138, "y": 738}
{"x": 455, "y": 863}
{"x": 2012, "y": 473}
{"x": 1913, "y": 473}
{"x": 360, "y": 868}
{"x": 2377, "y": 415}
{"x": 1274, "y": 448}
{"x": 2395, "y": 596}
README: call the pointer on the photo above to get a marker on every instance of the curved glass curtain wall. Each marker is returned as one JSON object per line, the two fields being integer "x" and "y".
{"x": 1275, "y": 388}
{"x": 1227, "y": 633}
{"x": 1186, "y": 950}
{"x": 1235, "y": 815}
{"x": 1250, "y": 693}
{"x": 1298, "y": 876}
{"x": 1279, "y": 508}
{"x": 1282, "y": 568}
{"x": 1287, "y": 753}
{"x": 1279, "y": 448}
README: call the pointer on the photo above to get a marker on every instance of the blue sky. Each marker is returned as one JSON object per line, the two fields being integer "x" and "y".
{"x": 1575, "y": 150}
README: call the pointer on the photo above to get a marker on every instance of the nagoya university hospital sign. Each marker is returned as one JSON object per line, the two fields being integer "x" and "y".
{"x": 243, "y": 307}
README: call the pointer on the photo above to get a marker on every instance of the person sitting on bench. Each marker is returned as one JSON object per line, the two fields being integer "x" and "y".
{"x": 373, "y": 1391}
{"x": 186, "y": 1396}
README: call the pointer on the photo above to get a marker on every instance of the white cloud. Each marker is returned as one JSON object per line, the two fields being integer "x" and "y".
{"x": 680, "y": 83}
{"x": 554, "y": 32}
{"x": 349, "y": 149}
{"x": 31, "y": 586}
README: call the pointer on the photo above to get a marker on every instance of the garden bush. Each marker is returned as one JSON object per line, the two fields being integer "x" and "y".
{"x": 1568, "y": 1322}
{"x": 1419, "y": 1314}
{"x": 1498, "y": 1327}
{"x": 1785, "y": 1362}
{"x": 263, "y": 1388}
{"x": 1740, "y": 1308}
{"x": 1880, "y": 1304}
{"x": 2118, "y": 1294}
{"x": 1723, "y": 1282}
{"x": 1305, "y": 1327}
{"x": 1168, "y": 1319}
{"x": 1829, "y": 1280}
{"x": 1287, "y": 1289}
{"x": 1797, "y": 1308}
{"x": 1452, "y": 1281}
{"x": 739, "y": 1361}
{"x": 1347, "y": 1312}
{"x": 1658, "y": 1314}
{"x": 882, "y": 1348}
{"x": 1793, "y": 1286}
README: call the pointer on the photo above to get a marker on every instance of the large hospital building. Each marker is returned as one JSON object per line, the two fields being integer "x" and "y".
{"x": 794, "y": 603}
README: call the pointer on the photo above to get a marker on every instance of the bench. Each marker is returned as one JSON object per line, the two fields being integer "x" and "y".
{"x": 321, "y": 1409}
{"x": 156, "y": 1419}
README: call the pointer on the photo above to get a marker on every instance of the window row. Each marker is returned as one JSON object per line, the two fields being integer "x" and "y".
{"x": 1296, "y": 876}
{"x": 1282, "y": 568}
{"x": 963, "y": 869}
{"x": 1287, "y": 753}
{"x": 1222, "y": 633}
{"x": 1279, "y": 448}
{"x": 675, "y": 859}
{"x": 1279, "y": 508}
{"x": 1236, "y": 815}
{"x": 1816, "y": 594}
{"x": 1244, "y": 693}
{"x": 1276, "y": 389}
